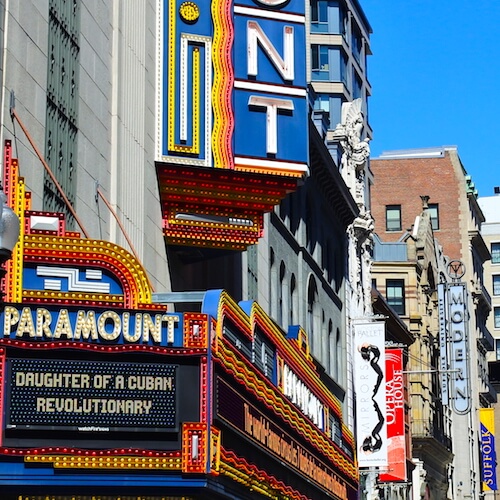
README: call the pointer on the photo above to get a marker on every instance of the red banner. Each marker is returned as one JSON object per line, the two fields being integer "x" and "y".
{"x": 395, "y": 404}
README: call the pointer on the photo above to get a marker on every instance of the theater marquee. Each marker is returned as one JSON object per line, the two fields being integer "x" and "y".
{"x": 267, "y": 435}
{"x": 91, "y": 396}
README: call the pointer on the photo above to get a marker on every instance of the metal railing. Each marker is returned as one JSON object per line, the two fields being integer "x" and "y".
{"x": 426, "y": 429}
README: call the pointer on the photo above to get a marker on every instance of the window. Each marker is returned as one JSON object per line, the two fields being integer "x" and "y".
{"x": 319, "y": 16}
{"x": 343, "y": 19}
{"x": 312, "y": 311}
{"x": 357, "y": 84}
{"x": 497, "y": 349}
{"x": 292, "y": 302}
{"x": 343, "y": 68}
{"x": 282, "y": 294}
{"x": 433, "y": 209}
{"x": 496, "y": 319}
{"x": 395, "y": 295}
{"x": 320, "y": 67}
{"x": 322, "y": 102}
{"x": 335, "y": 429}
{"x": 496, "y": 284}
{"x": 495, "y": 253}
{"x": 393, "y": 217}
{"x": 357, "y": 43}
{"x": 328, "y": 16}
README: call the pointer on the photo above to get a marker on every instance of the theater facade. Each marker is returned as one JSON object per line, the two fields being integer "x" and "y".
{"x": 106, "y": 394}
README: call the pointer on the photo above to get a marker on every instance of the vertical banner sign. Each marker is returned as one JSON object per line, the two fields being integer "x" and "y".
{"x": 443, "y": 344}
{"x": 369, "y": 384}
{"x": 395, "y": 411}
{"x": 234, "y": 85}
{"x": 270, "y": 96}
{"x": 458, "y": 348}
{"x": 488, "y": 455}
{"x": 186, "y": 79}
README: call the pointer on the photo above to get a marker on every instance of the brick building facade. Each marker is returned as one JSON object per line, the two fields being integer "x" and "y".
{"x": 401, "y": 178}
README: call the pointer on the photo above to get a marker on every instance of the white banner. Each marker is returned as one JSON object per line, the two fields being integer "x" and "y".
{"x": 443, "y": 343}
{"x": 370, "y": 388}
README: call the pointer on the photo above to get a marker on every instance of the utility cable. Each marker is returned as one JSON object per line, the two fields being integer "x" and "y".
{"x": 115, "y": 215}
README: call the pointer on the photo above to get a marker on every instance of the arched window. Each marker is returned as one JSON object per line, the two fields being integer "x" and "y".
{"x": 331, "y": 351}
{"x": 325, "y": 351}
{"x": 273, "y": 283}
{"x": 338, "y": 356}
{"x": 312, "y": 312}
{"x": 282, "y": 294}
{"x": 293, "y": 302}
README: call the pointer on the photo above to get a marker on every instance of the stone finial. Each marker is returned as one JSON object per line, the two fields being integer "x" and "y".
{"x": 425, "y": 201}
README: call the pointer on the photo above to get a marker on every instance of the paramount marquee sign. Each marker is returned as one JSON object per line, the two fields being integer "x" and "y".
{"x": 42, "y": 324}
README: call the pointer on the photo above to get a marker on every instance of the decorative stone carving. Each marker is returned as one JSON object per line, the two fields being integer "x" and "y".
{"x": 355, "y": 151}
{"x": 363, "y": 224}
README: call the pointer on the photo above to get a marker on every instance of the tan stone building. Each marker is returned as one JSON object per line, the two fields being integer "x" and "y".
{"x": 406, "y": 273}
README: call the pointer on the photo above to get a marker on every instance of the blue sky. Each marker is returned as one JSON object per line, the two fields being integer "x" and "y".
{"x": 435, "y": 74}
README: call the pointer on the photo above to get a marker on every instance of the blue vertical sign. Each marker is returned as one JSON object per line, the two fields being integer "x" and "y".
{"x": 186, "y": 83}
{"x": 270, "y": 95}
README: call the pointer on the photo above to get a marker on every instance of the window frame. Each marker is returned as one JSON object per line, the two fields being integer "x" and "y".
{"x": 495, "y": 284}
{"x": 322, "y": 102}
{"x": 357, "y": 84}
{"x": 433, "y": 209}
{"x": 344, "y": 68}
{"x": 496, "y": 317}
{"x": 319, "y": 9}
{"x": 356, "y": 43}
{"x": 396, "y": 301}
{"x": 343, "y": 20}
{"x": 388, "y": 208}
{"x": 495, "y": 254}
{"x": 318, "y": 54}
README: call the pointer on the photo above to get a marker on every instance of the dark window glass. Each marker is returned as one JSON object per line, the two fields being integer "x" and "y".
{"x": 395, "y": 295}
{"x": 497, "y": 317}
{"x": 320, "y": 66}
{"x": 343, "y": 68}
{"x": 319, "y": 11}
{"x": 357, "y": 43}
{"x": 393, "y": 217}
{"x": 495, "y": 253}
{"x": 496, "y": 284}
{"x": 357, "y": 85}
{"x": 434, "y": 213}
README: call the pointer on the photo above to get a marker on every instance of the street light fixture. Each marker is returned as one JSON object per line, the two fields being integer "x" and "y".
{"x": 9, "y": 233}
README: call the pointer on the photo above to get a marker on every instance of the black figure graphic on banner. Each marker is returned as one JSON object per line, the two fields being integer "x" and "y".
{"x": 373, "y": 442}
